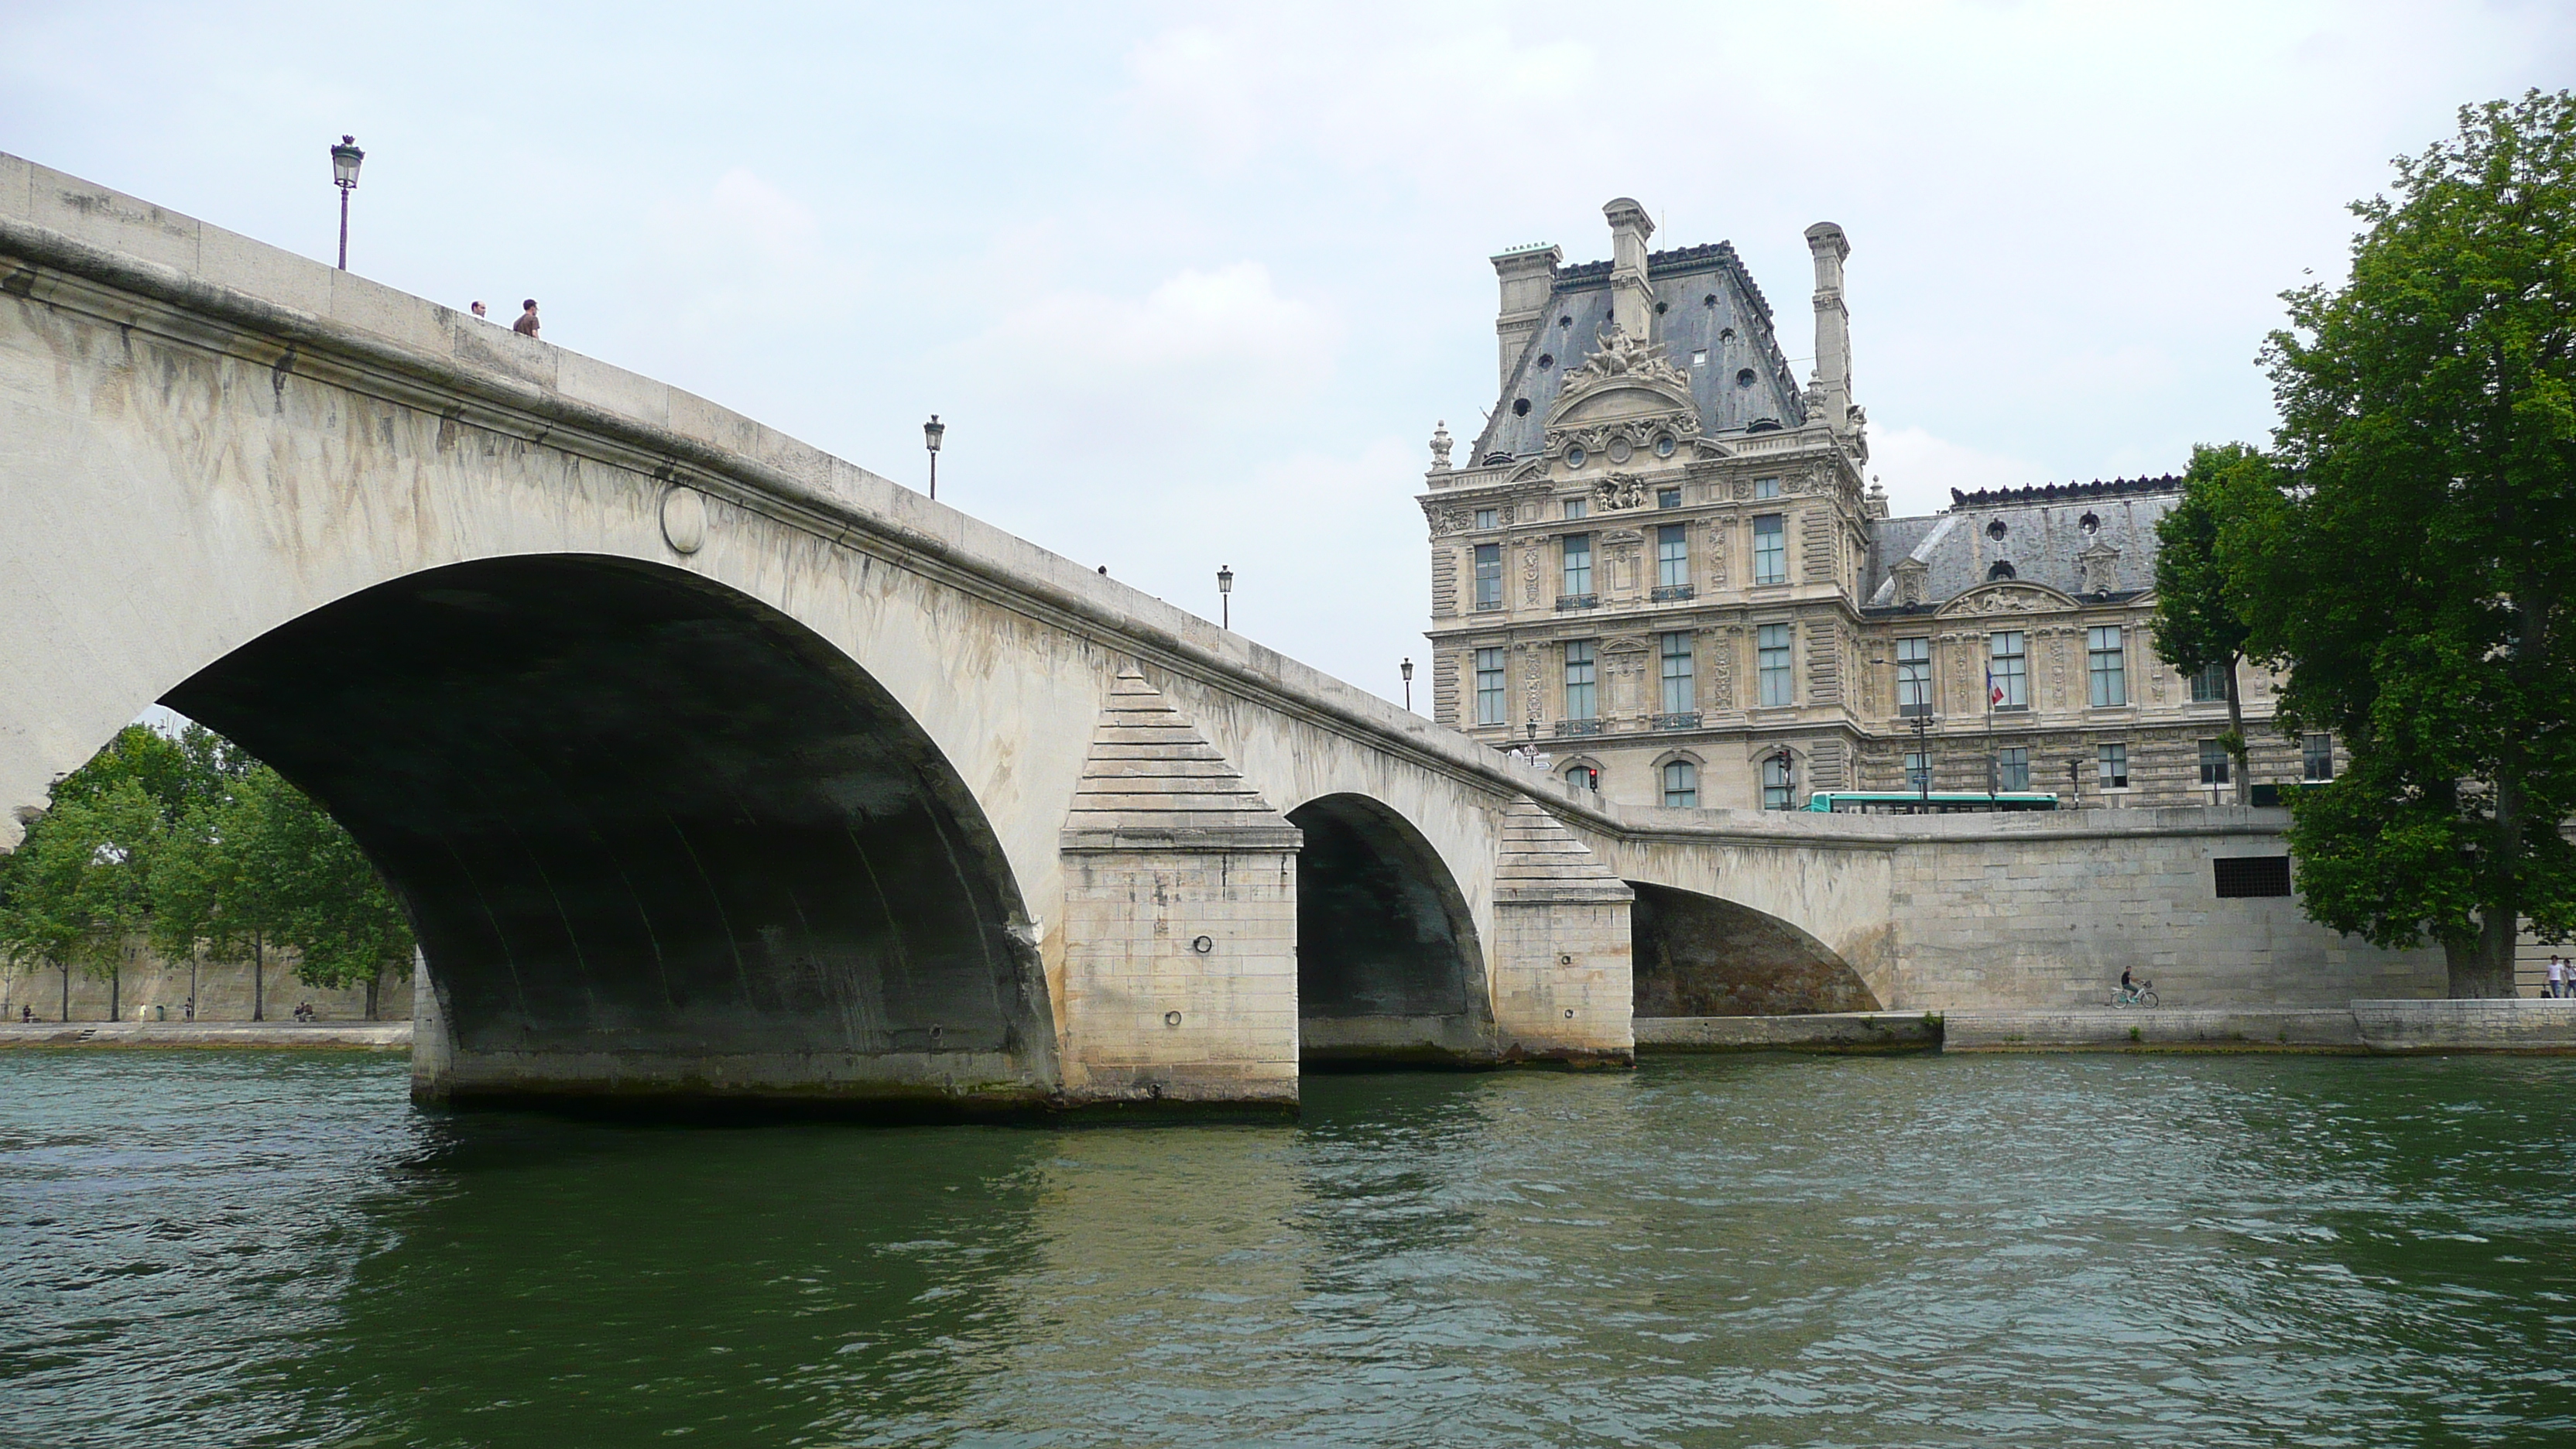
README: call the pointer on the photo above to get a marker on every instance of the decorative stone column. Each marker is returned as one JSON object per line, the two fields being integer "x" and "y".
{"x": 1180, "y": 920}
{"x": 1563, "y": 969}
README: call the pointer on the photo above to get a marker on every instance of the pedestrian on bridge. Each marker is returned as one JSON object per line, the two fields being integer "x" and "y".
{"x": 526, "y": 326}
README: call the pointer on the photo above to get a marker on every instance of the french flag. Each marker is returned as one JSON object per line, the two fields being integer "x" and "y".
{"x": 1994, "y": 691}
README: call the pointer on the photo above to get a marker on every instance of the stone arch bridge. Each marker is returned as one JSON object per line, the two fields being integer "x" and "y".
{"x": 707, "y": 764}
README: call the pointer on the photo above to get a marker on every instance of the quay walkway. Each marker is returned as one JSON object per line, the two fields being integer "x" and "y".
{"x": 382, "y": 1036}
{"x": 2393, "y": 1028}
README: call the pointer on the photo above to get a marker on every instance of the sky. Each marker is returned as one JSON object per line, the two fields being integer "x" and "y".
{"x": 1191, "y": 284}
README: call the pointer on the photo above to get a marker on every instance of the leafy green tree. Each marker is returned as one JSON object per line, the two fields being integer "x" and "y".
{"x": 328, "y": 902}
{"x": 2411, "y": 564}
{"x": 80, "y": 886}
{"x": 2198, "y": 622}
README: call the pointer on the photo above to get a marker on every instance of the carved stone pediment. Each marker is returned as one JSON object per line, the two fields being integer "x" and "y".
{"x": 2008, "y": 598}
{"x": 1627, "y": 379}
{"x": 1910, "y": 580}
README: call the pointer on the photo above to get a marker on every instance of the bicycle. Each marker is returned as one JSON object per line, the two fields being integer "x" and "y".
{"x": 2142, "y": 994}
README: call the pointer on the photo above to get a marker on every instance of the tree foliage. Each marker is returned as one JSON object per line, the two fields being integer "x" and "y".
{"x": 2199, "y": 623}
{"x": 184, "y": 839}
{"x": 2411, "y": 561}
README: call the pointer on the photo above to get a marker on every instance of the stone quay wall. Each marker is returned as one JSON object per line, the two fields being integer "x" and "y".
{"x": 152, "y": 989}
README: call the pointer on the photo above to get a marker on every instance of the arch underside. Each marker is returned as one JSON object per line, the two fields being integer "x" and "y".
{"x": 1697, "y": 955}
{"x": 1389, "y": 972}
{"x": 656, "y": 838}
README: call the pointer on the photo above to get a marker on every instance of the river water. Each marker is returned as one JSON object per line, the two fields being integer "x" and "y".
{"x": 252, "y": 1249}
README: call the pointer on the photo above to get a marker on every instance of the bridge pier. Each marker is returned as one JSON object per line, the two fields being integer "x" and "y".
{"x": 1563, "y": 954}
{"x": 1179, "y": 981}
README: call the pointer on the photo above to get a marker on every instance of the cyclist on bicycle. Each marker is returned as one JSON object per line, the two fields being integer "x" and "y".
{"x": 2128, "y": 988}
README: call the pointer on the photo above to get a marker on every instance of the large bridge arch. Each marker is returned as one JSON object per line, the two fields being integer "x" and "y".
{"x": 1390, "y": 969}
{"x": 655, "y": 836}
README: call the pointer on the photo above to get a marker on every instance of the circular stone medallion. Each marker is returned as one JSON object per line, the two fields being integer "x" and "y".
{"x": 684, "y": 519}
{"x": 1620, "y": 452}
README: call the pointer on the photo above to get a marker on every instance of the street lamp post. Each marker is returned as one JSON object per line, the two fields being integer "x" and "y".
{"x": 1224, "y": 597}
{"x": 931, "y": 433}
{"x": 1408, "y": 686}
{"x": 344, "y": 174}
{"x": 1923, "y": 753}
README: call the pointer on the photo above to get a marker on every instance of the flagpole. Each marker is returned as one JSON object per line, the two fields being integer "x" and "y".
{"x": 1990, "y": 731}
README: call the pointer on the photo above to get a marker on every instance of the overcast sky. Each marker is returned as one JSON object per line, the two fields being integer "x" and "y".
{"x": 1192, "y": 283}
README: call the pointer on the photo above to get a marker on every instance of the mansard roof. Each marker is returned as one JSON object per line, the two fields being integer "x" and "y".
{"x": 2046, "y": 533}
{"x": 1709, "y": 304}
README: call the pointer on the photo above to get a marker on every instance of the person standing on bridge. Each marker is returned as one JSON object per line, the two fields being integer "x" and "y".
{"x": 526, "y": 326}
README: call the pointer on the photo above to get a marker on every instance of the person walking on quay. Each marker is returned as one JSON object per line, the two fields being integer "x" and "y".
{"x": 2557, "y": 987}
{"x": 526, "y": 326}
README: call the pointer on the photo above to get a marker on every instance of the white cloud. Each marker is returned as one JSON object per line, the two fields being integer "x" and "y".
{"x": 1920, "y": 469}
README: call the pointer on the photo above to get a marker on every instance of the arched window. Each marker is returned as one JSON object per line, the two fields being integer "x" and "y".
{"x": 1779, "y": 780}
{"x": 1583, "y": 777}
{"x": 1681, "y": 785}
{"x": 2002, "y": 570}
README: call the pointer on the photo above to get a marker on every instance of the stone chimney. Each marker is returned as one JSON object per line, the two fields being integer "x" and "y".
{"x": 1528, "y": 275}
{"x": 1632, "y": 296}
{"x": 1829, "y": 387}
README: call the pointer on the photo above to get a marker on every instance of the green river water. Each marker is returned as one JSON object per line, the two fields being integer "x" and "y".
{"x": 255, "y": 1248}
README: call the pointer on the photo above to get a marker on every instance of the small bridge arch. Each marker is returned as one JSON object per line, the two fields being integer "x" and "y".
{"x": 1702, "y": 955}
{"x": 1390, "y": 969}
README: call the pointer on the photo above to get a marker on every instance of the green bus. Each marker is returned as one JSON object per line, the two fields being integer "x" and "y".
{"x": 1910, "y": 802}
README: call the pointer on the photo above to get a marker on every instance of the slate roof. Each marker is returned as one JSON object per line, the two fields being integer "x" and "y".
{"x": 1710, "y": 304}
{"x": 2044, "y": 538}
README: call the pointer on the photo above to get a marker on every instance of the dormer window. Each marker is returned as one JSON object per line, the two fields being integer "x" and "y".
{"x": 2090, "y": 524}
{"x": 1699, "y": 357}
{"x": 1744, "y": 378}
{"x": 2001, "y": 570}
{"x": 1547, "y": 359}
{"x": 1996, "y": 530}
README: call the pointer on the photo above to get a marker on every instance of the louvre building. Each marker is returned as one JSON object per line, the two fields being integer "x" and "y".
{"x": 1660, "y": 568}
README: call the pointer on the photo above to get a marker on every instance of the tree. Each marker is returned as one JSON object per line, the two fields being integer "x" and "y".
{"x": 2410, "y": 564}
{"x": 80, "y": 886}
{"x": 2198, "y": 622}
{"x": 330, "y": 905}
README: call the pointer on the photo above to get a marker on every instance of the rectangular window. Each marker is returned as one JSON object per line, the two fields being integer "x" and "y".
{"x": 1773, "y": 641}
{"x": 1489, "y": 576}
{"x": 2316, "y": 757}
{"x": 2213, "y": 763}
{"x": 1484, "y": 518}
{"x": 2113, "y": 761}
{"x": 2209, "y": 685}
{"x": 1578, "y": 564}
{"x": 1489, "y": 686}
{"x": 2012, "y": 769}
{"x": 1577, "y": 508}
{"x": 1766, "y": 487}
{"x": 1668, "y": 498}
{"x": 1913, "y": 676}
{"x": 1779, "y": 782}
{"x": 1770, "y": 551}
{"x": 1672, "y": 556}
{"x": 2008, "y": 666}
{"x": 1918, "y": 770}
{"x": 2110, "y": 667}
{"x": 2251, "y": 875}
{"x": 1582, "y": 696}
{"x": 1679, "y": 694}
{"x": 1681, "y": 785}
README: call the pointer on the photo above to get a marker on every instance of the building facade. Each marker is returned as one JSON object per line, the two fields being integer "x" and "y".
{"x": 1662, "y": 566}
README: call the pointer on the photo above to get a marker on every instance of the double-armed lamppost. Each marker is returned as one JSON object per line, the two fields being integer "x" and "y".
{"x": 931, "y": 433}
{"x": 1224, "y": 597}
{"x": 1408, "y": 686}
{"x": 344, "y": 174}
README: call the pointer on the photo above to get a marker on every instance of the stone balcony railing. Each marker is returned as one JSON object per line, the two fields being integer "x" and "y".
{"x": 1578, "y": 727}
{"x": 1683, "y": 720}
{"x": 1577, "y": 601}
{"x": 1669, "y": 593}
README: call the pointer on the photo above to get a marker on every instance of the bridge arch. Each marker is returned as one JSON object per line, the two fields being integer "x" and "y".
{"x": 655, "y": 837}
{"x": 1389, "y": 967}
{"x": 1700, "y": 955}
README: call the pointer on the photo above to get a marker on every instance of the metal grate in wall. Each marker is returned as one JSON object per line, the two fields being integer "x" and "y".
{"x": 2252, "y": 875}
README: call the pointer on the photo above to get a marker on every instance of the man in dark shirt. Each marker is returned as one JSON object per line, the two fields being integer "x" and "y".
{"x": 526, "y": 326}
